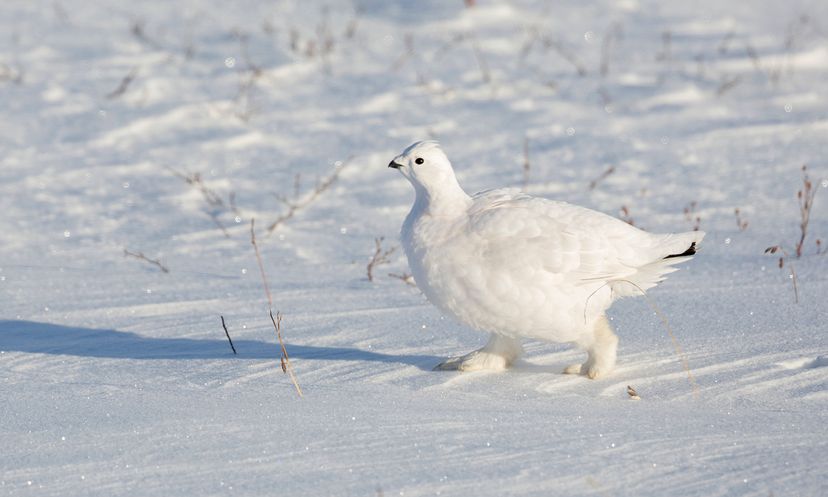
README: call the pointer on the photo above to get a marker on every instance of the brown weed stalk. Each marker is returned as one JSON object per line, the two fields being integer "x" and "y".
{"x": 284, "y": 359}
{"x": 142, "y": 257}
{"x": 379, "y": 258}
{"x": 297, "y": 204}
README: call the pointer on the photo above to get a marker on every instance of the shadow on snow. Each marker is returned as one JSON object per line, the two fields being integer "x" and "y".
{"x": 46, "y": 338}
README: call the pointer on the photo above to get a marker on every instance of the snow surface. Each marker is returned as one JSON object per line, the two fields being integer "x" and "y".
{"x": 116, "y": 378}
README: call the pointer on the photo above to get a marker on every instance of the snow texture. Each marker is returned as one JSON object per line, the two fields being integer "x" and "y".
{"x": 163, "y": 128}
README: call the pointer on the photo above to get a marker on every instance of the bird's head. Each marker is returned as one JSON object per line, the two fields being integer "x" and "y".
{"x": 425, "y": 165}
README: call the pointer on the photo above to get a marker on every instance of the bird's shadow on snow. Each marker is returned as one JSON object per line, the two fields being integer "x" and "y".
{"x": 47, "y": 338}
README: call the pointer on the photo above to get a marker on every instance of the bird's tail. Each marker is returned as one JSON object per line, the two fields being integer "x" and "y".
{"x": 667, "y": 252}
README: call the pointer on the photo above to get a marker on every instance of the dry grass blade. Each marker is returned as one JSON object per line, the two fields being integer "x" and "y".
{"x": 259, "y": 261}
{"x": 122, "y": 87}
{"x": 601, "y": 177}
{"x": 227, "y": 333}
{"x": 284, "y": 359}
{"x": 141, "y": 256}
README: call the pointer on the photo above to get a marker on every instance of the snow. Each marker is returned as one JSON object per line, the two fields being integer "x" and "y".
{"x": 116, "y": 378}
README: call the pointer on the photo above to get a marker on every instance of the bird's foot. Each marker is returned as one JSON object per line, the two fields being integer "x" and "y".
{"x": 588, "y": 369}
{"x": 479, "y": 360}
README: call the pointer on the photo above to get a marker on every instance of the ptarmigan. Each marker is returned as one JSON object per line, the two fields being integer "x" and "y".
{"x": 518, "y": 266}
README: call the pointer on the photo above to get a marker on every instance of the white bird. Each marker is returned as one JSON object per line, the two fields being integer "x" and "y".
{"x": 518, "y": 266}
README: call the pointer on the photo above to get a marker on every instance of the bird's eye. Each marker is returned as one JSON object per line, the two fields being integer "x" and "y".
{"x": 418, "y": 160}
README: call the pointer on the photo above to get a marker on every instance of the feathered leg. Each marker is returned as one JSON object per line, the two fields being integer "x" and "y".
{"x": 601, "y": 352}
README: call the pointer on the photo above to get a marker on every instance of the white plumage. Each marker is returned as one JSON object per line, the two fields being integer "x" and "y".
{"x": 518, "y": 266}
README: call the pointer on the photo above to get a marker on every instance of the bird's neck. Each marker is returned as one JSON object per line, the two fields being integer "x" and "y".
{"x": 447, "y": 200}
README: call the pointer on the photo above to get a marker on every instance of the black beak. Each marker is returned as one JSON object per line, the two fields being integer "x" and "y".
{"x": 394, "y": 165}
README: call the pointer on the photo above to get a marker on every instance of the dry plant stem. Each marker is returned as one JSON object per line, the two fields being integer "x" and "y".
{"x": 227, "y": 334}
{"x": 805, "y": 197}
{"x": 277, "y": 323}
{"x": 141, "y": 256}
{"x": 405, "y": 277}
{"x": 727, "y": 85}
{"x": 210, "y": 196}
{"x": 780, "y": 248}
{"x": 284, "y": 359}
{"x": 481, "y": 60}
{"x": 601, "y": 177}
{"x": 138, "y": 32}
{"x": 219, "y": 225}
{"x": 297, "y": 205}
{"x": 380, "y": 257}
{"x": 741, "y": 223}
{"x": 248, "y": 79}
{"x": 793, "y": 281}
{"x": 558, "y": 48}
{"x": 625, "y": 216}
{"x": 526, "y": 164}
{"x": 122, "y": 87}
{"x": 259, "y": 261}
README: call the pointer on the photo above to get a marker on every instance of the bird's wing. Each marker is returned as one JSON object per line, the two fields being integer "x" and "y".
{"x": 579, "y": 245}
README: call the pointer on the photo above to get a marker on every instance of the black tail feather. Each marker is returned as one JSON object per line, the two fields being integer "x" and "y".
{"x": 690, "y": 251}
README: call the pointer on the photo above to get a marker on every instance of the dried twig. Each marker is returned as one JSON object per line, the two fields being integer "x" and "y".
{"x": 296, "y": 205}
{"x": 379, "y": 258}
{"x": 405, "y": 277}
{"x": 277, "y": 322}
{"x": 565, "y": 54}
{"x": 666, "y": 53}
{"x": 526, "y": 164}
{"x": 741, "y": 223}
{"x": 259, "y": 261}
{"x": 138, "y": 32}
{"x": 227, "y": 333}
{"x": 481, "y": 60}
{"x": 194, "y": 179}
{"x": 248, "y": 79}
{"x": 779, "y": 248}
{"x": 141, "y": 256}
{"x": 728, "y": 84}
{"x": 805, "y": 197}
{"x": 284, "y": 359}
{"x": 125, "y": 82}
{"x": 212, "y": 198}
{"x": 601, "y": 177}
{"x": 690, "y": 215}
{"x": 625, "y": 215}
